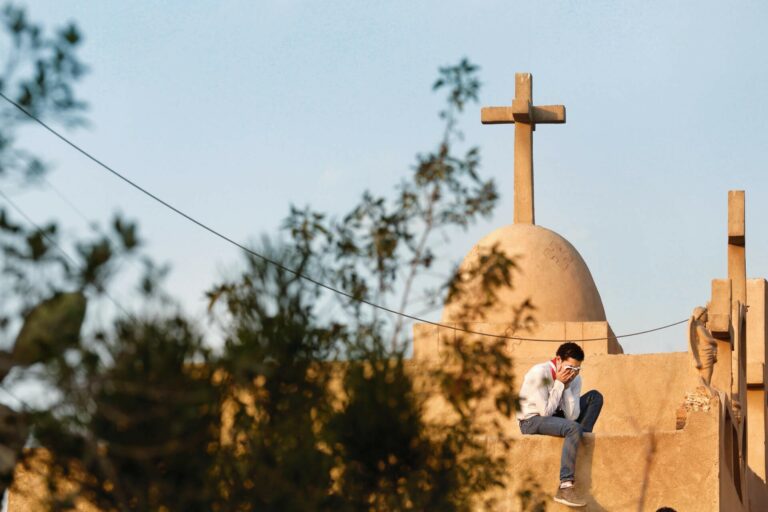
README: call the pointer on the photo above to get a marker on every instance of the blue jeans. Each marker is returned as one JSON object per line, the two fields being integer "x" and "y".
{"x": 590, "y": 405}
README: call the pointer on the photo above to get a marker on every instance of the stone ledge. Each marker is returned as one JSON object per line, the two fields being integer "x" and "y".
{"x": 429, "y": 341}
{"x": 681, "y": 467}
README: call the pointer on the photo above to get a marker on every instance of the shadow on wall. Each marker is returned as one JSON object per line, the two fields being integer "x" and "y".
{"x": 586, "y": 453}
{"x": 531, "y": 496}
{"x": 758, "y": 497}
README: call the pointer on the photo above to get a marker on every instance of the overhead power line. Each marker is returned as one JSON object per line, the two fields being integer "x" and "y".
{"x": 279, "y": 265}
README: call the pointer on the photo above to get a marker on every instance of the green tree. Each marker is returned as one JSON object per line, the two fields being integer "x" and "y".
{"x": 39, "y": 73}
{"x": 311, "y": 403}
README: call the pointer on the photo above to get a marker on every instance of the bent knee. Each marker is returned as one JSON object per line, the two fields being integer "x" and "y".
{"x": 574, "y": 428}
{"x": 596, "y": 397}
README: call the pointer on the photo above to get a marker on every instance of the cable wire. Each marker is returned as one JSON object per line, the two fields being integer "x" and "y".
{"x": 279, "y": 265}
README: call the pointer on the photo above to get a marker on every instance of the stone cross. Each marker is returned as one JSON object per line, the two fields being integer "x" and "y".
{"x": 737, "y": 273}
{"x": 729, "y": 298}
{"x": 737, "y": 262}
{"x": 525, "y": 116}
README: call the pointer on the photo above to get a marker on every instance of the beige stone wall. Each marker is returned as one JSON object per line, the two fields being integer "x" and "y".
{"x": 757, "y": 338}
{"x": 641, "y": 392}
{"x": 635, "y": 440}
{"x": 634, "y": 453}
{"x": 432, "y": 343}
{"x": 618, "y": 472}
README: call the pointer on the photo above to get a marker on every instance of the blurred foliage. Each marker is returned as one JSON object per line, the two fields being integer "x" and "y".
{"x": 532, "y": 497}
{"x": 311, "y": 402}
{"x": 50, "y": 328}
{"x": 139, "y": 419}
{"x": 39, "y": 72}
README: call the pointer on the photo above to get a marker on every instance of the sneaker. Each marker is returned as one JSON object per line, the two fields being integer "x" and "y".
{"x": 567, "y": 496}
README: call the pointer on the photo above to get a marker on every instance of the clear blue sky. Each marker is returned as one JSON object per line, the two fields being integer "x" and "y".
{"x": 234, "y": 110}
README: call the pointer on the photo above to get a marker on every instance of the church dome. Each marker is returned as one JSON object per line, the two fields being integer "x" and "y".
{"x": 550, "y": 273}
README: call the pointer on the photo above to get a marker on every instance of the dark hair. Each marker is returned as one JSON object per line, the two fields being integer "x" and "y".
{"x": 570, "y": 350}
{"x": 666, "y": 509}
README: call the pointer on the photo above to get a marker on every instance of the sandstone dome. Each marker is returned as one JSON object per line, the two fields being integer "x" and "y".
{"x": 551, "y": 273}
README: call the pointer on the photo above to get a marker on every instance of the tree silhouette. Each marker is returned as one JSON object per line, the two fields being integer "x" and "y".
{"x": 311, "y": 403}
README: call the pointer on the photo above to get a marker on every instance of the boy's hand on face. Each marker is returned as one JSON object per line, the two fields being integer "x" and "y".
{"x": 573, "y": 374}
{"x": 565, "y": 375}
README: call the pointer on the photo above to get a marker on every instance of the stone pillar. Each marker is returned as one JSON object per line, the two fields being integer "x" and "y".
{"x": 737, "y": 273}
{"x": 739, "y": 384}
{"x": 524, "y": 207}
{"x": 757, "y": 340}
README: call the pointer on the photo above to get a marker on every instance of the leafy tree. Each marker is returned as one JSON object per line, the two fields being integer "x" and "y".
{"x": 39, "y": 73}
{"x": 311, "y": 403}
